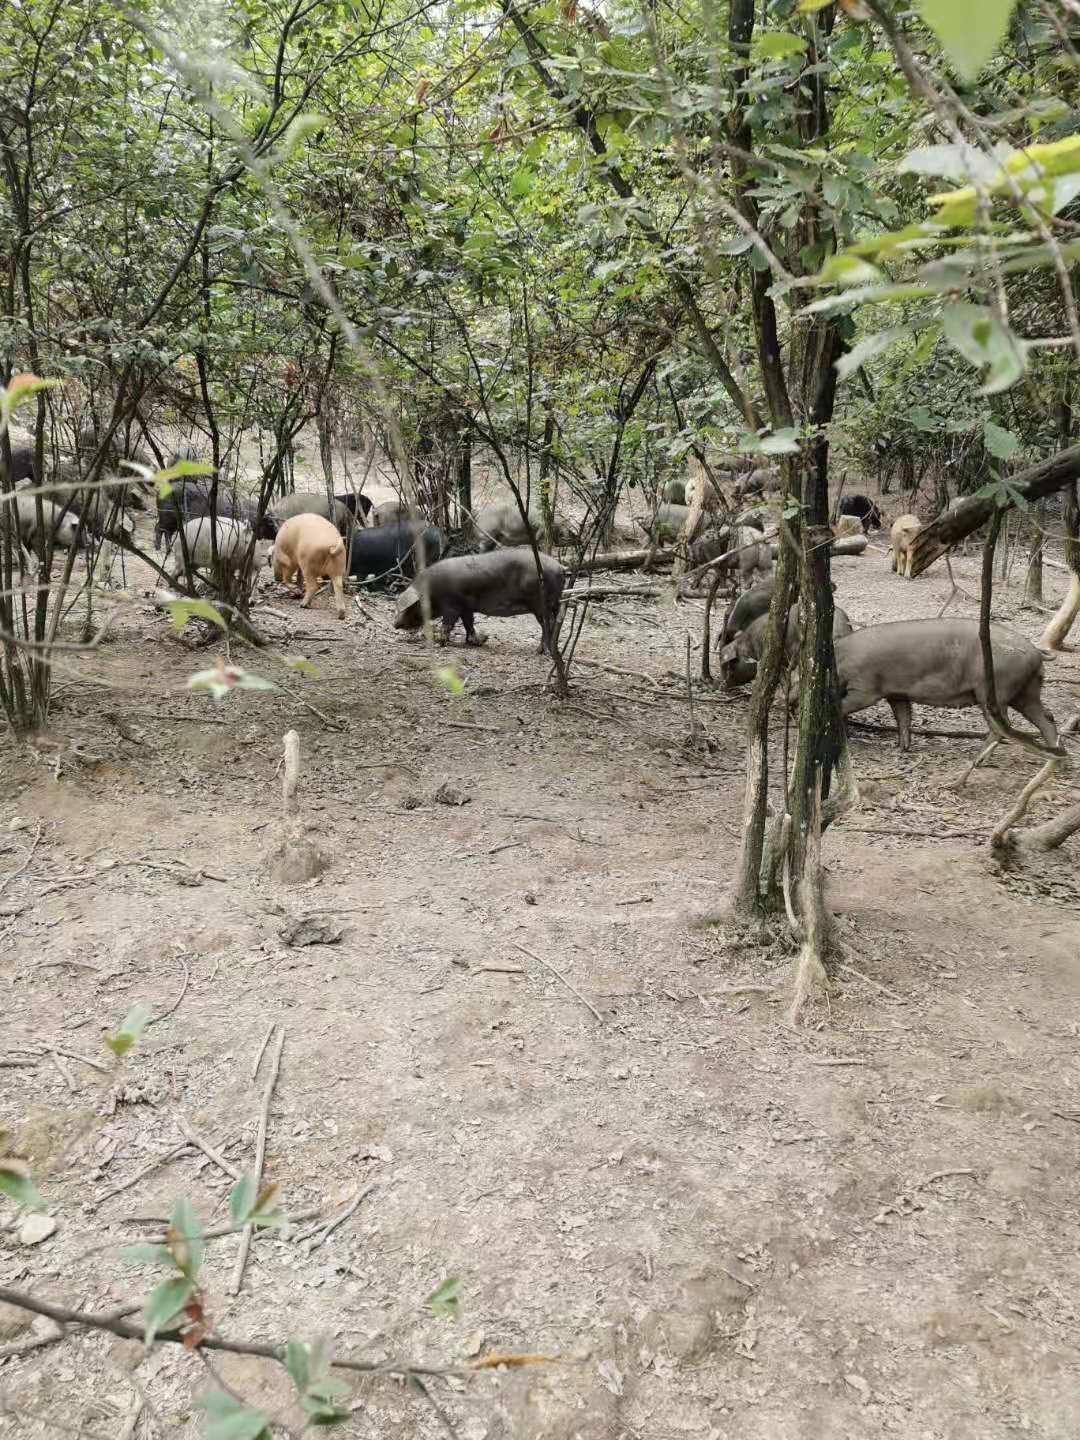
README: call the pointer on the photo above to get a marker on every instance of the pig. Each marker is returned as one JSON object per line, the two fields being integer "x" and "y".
{"x": 187, "y": 451}
{"x": 387, "y": 550}
{"x": 749, "y": 643}
{"x": 847, "y": 525}
{"x": 939, "y": 662}
{"x": 757, "y": 519}
{"x": 904, "y": 529}
{"x": 501, "y": 582}
{"x": 390, "y": 512}
{"x": 233, "y": 542}
{"x": 669, "y": 522}
{"x": 22, "y": 463}
{"x": 747, "y": 608}
{"x": 501, "y": 524}
{"x": 864, "y": 510}
{"x": 310, "y": 503}
{"x": 359, "y": 506}
{"x": 190, "y": 497}
{"x": 761, "y": 481}
{"x": 104, "y": 509}
{"x": 62, "y": 526}
{"x": 674, "y": 492}
{"x": 709, "y": 546}
{"x": 754, "y": 558}
{"x": 311, "y": 546}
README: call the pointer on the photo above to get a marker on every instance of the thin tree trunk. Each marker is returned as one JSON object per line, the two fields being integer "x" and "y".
{"x": 1033, "y": 580}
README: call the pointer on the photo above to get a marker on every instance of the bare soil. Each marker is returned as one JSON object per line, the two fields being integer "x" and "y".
{"x": 718, "y": 1226}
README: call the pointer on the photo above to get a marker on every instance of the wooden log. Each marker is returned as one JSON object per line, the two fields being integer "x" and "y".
{"x": 849, "y": 544}
{"x": 943, "y": 533}
{"x": 624, "y": 560}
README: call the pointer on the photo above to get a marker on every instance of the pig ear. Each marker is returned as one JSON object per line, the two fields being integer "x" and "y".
{"x": 407, "y": 597}
{"x": 728, "y": 653}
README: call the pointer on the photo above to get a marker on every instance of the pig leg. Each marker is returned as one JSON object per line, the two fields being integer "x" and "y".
{"x": 471, "y": 637}
{"x": 339, "y": 596}
{"x": 1030, "y": 705}
{"x": 311, "y": 589}
{"x": 901, "y": 709}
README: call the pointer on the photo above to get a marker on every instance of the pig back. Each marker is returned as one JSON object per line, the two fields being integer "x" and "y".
{"x": 937, "y": 662}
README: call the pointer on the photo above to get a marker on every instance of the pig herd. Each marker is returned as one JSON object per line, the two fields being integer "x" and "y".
{"x": 316, "y": 539}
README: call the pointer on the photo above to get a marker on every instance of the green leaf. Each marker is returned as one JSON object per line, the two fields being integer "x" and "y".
{"x": 143, "y": 1254}
{"x": 778, "y": 44}
{"x": 186, "y": 1238}
{"x": 300, "y": 664}
{"x": 980, "y": 336}
{"x": 165, "y": 1303}
{"x": 449, "y": 679}
{"x": 921, "y": 352}
{"x": 522, "y": 182}
{"x": 443, "y": 1300}
{"x": 296, "y": 1362}
{"x": 951, "y": 162}
{"x": 15, "y": 1182}
{"x": 133, "y": 1026}
{"x": 780, "y": 442}
{"x": 181, "y": 611}
{"x": 242, "y": 1199}
{"x": 847, "y": 269}
{"x": 920, "y": 418}
{"x": 248, "y": 1207}
{"x": 866, "y": 350}
{"x": 1001, "y": 443}
{"x": 969, "y": 30}
{"x": 230, "y": 1419}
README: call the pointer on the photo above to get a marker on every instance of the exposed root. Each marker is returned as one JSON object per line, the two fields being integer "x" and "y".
{"x": 1043, "y": 837}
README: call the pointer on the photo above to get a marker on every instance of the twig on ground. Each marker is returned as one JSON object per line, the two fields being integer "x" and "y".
{"x": 315, "y": 1237}
{"x": 32, "y": 1342}
{"x": 869, "y": 980}
{"x": 941, "y": 1175}
{"x": 64, "y": 1073}
{"x": 468, "y": 725}
{"x": 266, "y": 1037}
{"x": 560, "y": 976}
{"x": 260, "y": 1156}
{"x": 171, "y": 1332}
{"x": 836, "y": 1060}
{"x": 163, "y": 1159}
{"x": 208, "y": 1150}
{"x": 299, "y": 700}
{"x": 82, "y": 1059}
{"x": 20, "y": 868}
{"x": 154, "y": 1019}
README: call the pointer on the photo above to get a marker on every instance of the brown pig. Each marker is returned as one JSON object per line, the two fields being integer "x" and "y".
{"x": 311, "y": 545}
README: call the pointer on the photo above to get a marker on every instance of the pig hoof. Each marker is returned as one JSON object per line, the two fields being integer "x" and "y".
{"x": 476, "y": 639}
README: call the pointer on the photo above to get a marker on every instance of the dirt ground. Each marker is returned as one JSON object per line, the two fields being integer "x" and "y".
{"x": 718, "y": 1226}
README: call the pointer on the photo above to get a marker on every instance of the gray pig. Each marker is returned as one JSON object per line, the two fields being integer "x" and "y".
{"x": 62, "y": 529}
{"x": 390, "y": 512}
{"x": 233, "y": 539}
{"x": 674, "y": 492}
{"x": 939, "y": 662}
{"x": 501, "y": 582}
{"x": 749, "y": 643}
{"x": 501, "y": 524}
{"x": 305, "y": 503}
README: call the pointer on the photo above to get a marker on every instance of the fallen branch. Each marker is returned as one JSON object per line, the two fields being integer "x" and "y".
{"x": 19, "y": 869}
{"x": 1032, "y": 484}
{"x": 260, "y": 1157}
{"x": 560, "y": 976}
{"x": 208, "y": 1150}
{"x": 171, "y": 1333}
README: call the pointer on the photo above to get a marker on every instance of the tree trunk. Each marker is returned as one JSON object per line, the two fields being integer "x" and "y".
{"x": 1033, "y": 581}
{"x": 464, "y": 474}
{"x": 326, "y": 450}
